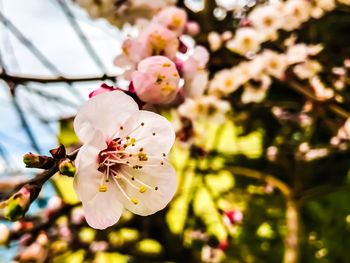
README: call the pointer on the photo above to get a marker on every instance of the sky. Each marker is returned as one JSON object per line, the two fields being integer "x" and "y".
{"x": 45, "y": 25}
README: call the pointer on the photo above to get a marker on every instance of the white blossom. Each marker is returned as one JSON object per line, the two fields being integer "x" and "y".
{"x": 122, "y": 162}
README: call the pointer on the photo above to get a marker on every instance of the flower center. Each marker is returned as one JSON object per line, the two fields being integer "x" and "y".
{"x": 114, "y": 157}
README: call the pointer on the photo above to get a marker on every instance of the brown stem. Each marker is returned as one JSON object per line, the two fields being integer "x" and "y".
{"x": 332, "y": 106}
{"x": 292, "y": 239}
{"x": 270, "y": 179}
{"x": 41, "y": 178}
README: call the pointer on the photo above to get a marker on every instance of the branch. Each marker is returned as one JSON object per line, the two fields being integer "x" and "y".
{"x": 332, "y": 106}
{"x": 41, "y": 178}
{"x": 43, "y": 225}
{"x": 270, "y": 179}
{"x": 28, "y": 78}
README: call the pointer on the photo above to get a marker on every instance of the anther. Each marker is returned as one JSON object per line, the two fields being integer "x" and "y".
{"x": 156, "y": 188}
{"x": 141, "y": 149}
{"x": 142, "y": 189}
{"x": 142, "y": 123}
{"x": 133, "y": 178}
{"x": 161, "y": 163}
{"x": 121, "y": 127}
{"x": 164, "y": 154}
{"x": 102, "y": 188}
{"x": 142, "y": 157}
{"x": 154, "y": 134}
{"x": 134, "y": 201}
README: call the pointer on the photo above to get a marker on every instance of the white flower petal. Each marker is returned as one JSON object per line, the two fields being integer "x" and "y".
{"x": 104, "y": 209}
{"x": 153, "y": 133}
{"x": 86, "y": 182}
{"x": 88, "y": 178}
{"x": 163, "y": 177}
{"x": 107, "y": 112}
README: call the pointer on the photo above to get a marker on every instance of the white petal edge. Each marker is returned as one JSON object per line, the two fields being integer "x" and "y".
{"x": 88, "y": 178}
{"x": 106, "y": 112}
{"x": 156, "y": 136}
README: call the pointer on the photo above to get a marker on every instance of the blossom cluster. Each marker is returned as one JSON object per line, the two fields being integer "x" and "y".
{"x": 165, "y": 66}
{"x": 256, "y": 75}
{"x": 264, "y": 22}
{"x": 158, "y": 57}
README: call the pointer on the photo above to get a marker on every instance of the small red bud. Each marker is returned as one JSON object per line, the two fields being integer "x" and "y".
{"x": 58, "y": 152}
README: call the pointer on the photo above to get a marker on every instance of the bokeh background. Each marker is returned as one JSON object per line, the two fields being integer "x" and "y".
{"x": 244, "y": 183}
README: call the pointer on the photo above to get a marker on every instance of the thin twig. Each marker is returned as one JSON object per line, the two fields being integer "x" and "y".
{"x": 27, "y": 78}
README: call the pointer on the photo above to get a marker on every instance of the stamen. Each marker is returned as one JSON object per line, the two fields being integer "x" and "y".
{"x": 137, "y": 180}
{"x": 111, "y": 152}
{"x": 156, "y": 188}
{"x": 134, "y": 201}
{"x": 129, "y": 183}
{"x": 123, "y": 192}
{"x": 135, "y": 129}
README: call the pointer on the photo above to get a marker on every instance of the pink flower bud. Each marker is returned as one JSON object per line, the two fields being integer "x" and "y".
{"x": 102, "y": 89}
{"x": 156, "y": 80}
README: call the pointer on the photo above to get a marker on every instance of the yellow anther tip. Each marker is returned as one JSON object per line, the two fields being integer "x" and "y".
{"x": 134, "y": 201}
{"x": 142, "y": 189}
{"x": 102, "y": 188}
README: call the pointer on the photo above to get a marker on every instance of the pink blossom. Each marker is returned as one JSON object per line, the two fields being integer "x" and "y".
{"x": 173, "y": 18}
{"x": 155, "y": 39}
{"x": 156, "y": 80}
{"x": 159, "y": 41}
